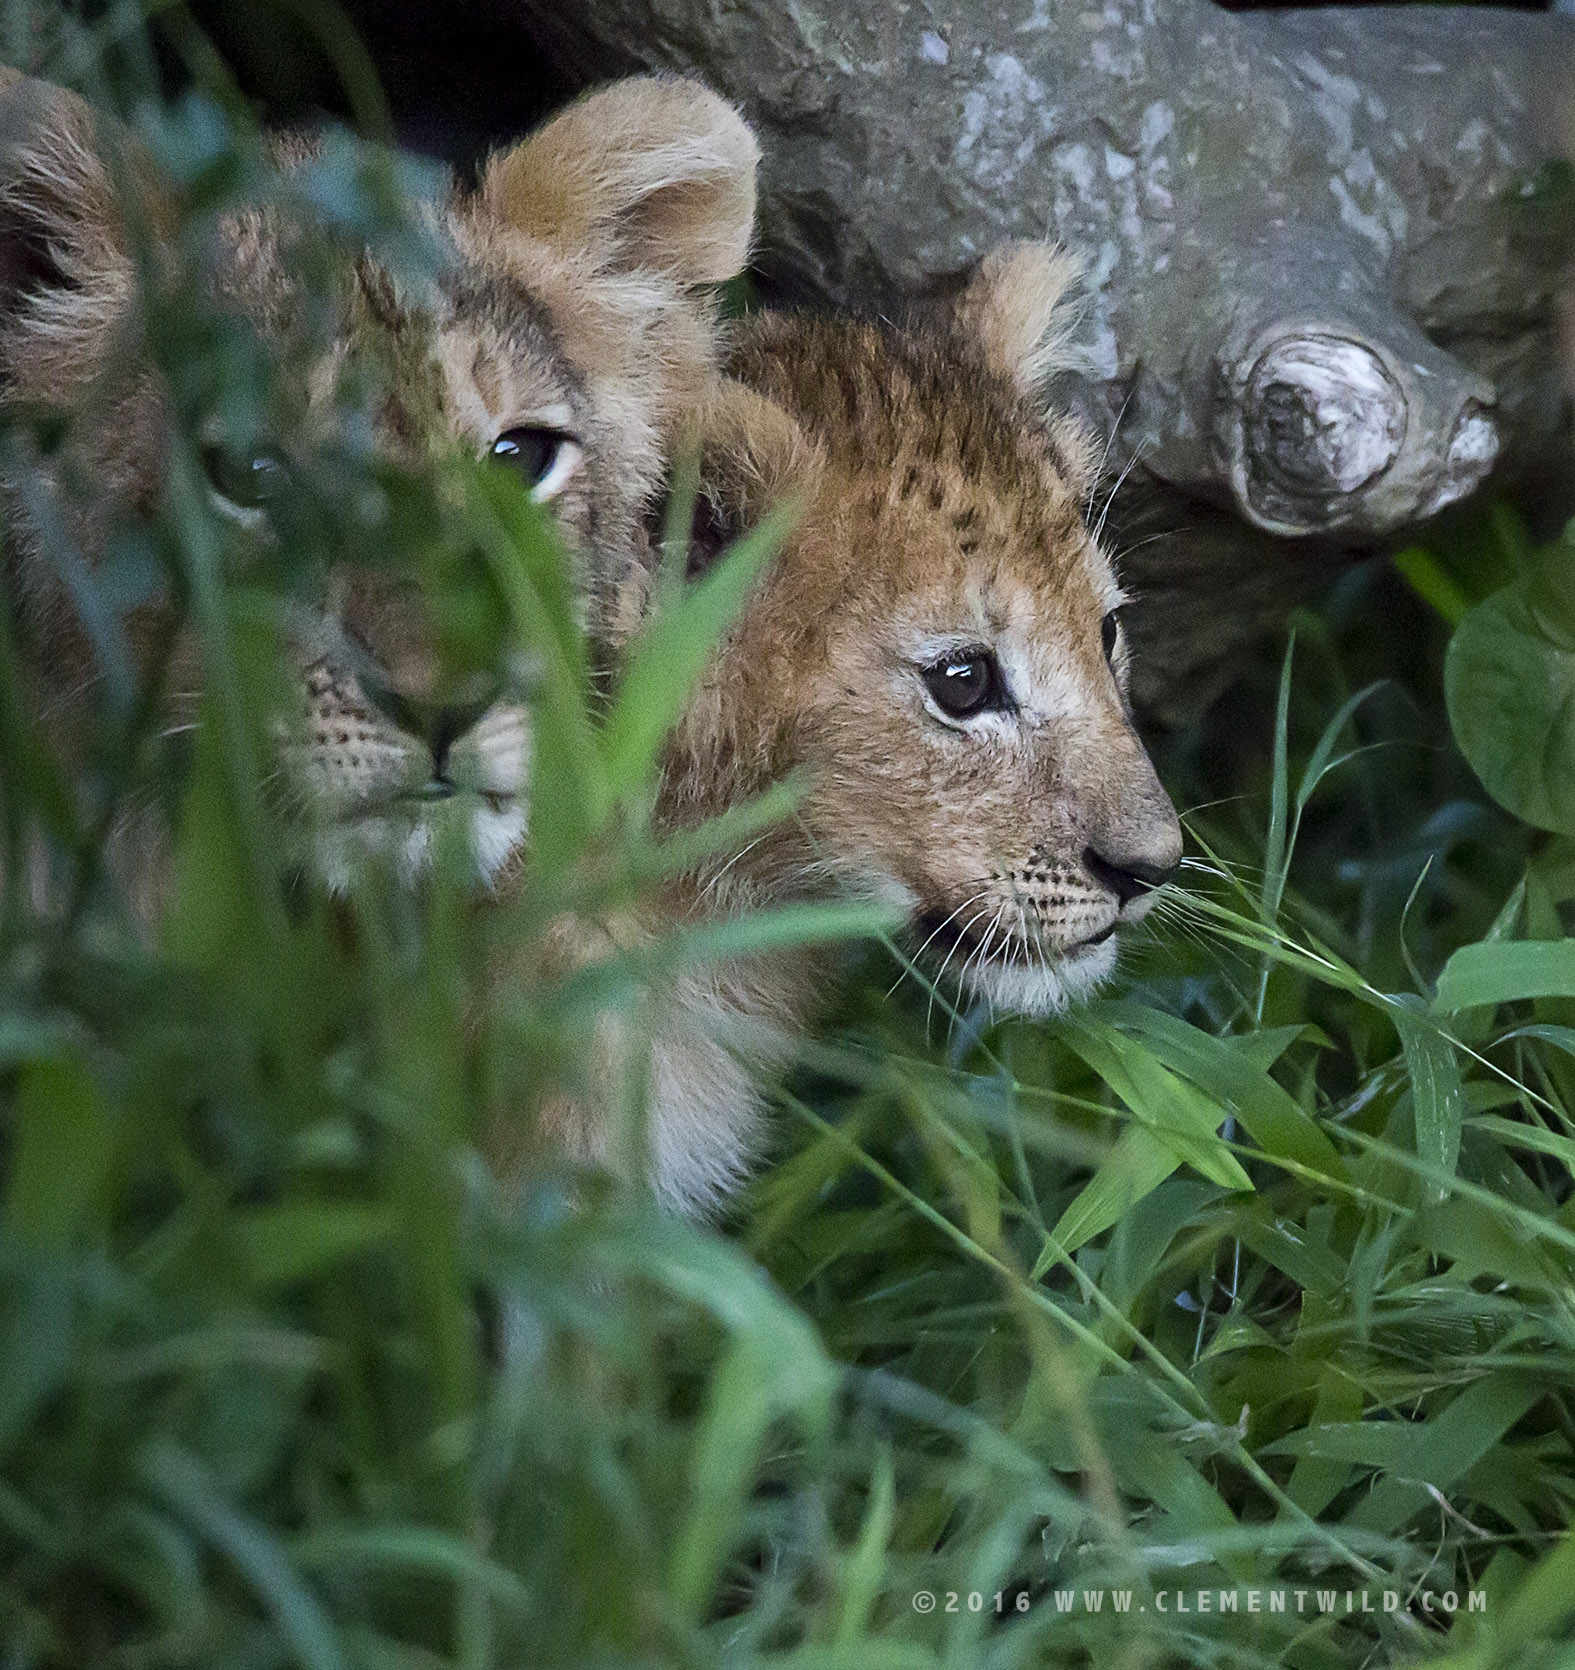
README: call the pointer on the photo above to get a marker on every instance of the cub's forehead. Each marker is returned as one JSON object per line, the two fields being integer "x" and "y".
{"x": 471, "y": 332}
{"x": 502, "y": 362}
{"x": 1022, "y": 589}
{"x": 972, "y": 497}
{"x": 1004, "y": 551}
{"x": 1010, "y": 595}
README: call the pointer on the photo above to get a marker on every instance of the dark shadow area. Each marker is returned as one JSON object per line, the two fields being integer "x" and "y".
{"x": 459, "y": 79}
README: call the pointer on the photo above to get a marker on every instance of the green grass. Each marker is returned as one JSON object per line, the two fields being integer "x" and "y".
{"x": 1254, "y": 1276}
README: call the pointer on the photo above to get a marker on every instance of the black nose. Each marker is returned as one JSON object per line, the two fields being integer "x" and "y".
{"x": 1130, "y": 878}
{"x": 438, "y": 724}
{"x": 446, "y": 724}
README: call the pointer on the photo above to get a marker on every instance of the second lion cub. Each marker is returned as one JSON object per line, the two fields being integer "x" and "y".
{"x": 938, "y": 653}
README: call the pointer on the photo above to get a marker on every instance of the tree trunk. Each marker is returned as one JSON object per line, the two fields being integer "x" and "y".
{"x": 1323, "y": 248}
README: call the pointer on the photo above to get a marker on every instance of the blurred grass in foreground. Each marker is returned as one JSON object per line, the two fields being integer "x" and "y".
{"x": 1257, "y": 1273}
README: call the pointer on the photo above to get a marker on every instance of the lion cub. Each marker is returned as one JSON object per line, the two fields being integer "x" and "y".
{"x": 938, "y": 654}
{"x": 567, "y": 331}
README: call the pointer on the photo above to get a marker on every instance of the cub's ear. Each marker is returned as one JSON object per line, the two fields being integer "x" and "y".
{"x": 751, "y": 458}
{"x": 63, "y": 257}
{"x": 1019, "y": 307}
{"x": 653, "y": 172}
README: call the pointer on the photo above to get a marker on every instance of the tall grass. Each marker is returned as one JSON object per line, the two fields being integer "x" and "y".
{"x": 1253, "y": 1277}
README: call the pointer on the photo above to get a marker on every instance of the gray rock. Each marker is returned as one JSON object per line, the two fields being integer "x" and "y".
{"x": 1322, "y": 254}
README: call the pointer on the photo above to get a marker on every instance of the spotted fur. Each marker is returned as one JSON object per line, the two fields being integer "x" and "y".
{"x": 939, "y": 508}
{"x": 575, "y": 294}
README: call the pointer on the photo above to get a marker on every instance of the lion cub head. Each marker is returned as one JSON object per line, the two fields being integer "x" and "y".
{"x": 561, "y": 328}
{"x": 938, "y": 650}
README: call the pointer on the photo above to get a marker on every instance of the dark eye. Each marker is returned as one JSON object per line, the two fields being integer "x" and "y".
{"x": 245, "y": 481}
{"x": 545, "y": 459}
{"x": 966, "y": 683}
{"x": 1110, "y": 633}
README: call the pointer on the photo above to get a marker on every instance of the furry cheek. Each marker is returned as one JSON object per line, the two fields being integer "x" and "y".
{"x": 1041, "y": 990}
{"x": 340, "y": 852}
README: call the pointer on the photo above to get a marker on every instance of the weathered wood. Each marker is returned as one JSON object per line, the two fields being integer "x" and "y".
{"x": 1322, "y": 260}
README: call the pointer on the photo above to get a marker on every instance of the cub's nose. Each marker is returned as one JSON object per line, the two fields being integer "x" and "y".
{"x": 439, "y": 724}
{"x": 1127, "y": 877}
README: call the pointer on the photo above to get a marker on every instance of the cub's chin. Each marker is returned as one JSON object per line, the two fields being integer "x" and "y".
{"x": 1038, "y": 985}
{"x": 489, "y": 830}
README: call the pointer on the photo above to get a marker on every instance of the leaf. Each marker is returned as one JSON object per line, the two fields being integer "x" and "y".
{"x": 781, "y": 928}
{"x": 1136, "y": 1165}
{"x": 23, "y": 1038}
{"x": 1185, "y": 1120}
{"x": 1516, "y": 1133}
{"x": 25, "y": 754}
{"x": 1316, "y": 1480}
{"x": 1413, "y": 1455}
{"x": 1144, "y": 1234}
{"x": 673, "y": 650}
{"x": 37, "y": 1348}
{"x": 1429, "y": 580}
{"x": 1506, "y": 971}
{"x": 1509, "y": 683}
{"x": 768, "y": 1372}
{"x": 1545, "y": 1600}
{"x": 772, "y": 1366}
{"x": 412, "y": 1549}
{"x": 61, "y": 1155}
{"x": 1289, "y": 1247}
{"x": 1264, "y": 1046}
{"x": 867, "y": 1561}
{"x": 1479, "y": 1241}
{"x": 156, "y": 1560}
{"x": 568, "y": 787}
{"x": 1224, "y": 1069}
{"x": 1276, "y": 854}
{"x": 1441, "y": 1451}
{"x": 287, "y": 1244}
{"x": 1151, "y": 1463}
{"x": 218, "y": 895}
{"x": 179, "y": 1480}
{"x": 1438, "y": 1100}
{"x": 1321, "y": 761}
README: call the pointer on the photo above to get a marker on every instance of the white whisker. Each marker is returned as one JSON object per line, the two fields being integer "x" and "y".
{"x": 721, "y": 875}
{"x": 950, "y": 916}
{"x": 962, "y": 934}
{"x": 1099, "y": 526}
{"x": 1104, "y": 456}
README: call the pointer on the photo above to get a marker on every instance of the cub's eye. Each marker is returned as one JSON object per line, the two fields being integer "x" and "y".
{"x": 245, "y": 483}
{"x": 545, "y": 459}
{"x": 967, "y": 683}
{"x": 1110, "y": 632}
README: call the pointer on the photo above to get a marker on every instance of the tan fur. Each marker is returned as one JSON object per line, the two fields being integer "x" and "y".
{"x": 659, "y": 178}
{"x": 674, "y": 1087}
{"x": 940, "y": 508}
{"x": 571, "y": 300}
{"x": 1016, "y": 311}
